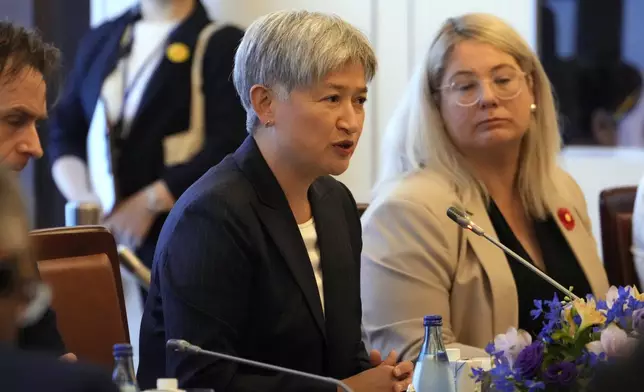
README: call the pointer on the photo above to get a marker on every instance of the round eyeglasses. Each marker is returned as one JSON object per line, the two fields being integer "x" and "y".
{"x": 467, "y": 90}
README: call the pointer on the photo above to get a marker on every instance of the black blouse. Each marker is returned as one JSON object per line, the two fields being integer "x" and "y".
{"x": 559, "y": 259}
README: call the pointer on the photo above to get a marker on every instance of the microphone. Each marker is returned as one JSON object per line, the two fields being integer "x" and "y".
{"x": 185, "y": 346}
{"x": 463, "y": 220}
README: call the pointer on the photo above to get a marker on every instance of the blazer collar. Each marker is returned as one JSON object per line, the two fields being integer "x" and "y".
{"x": 494, "y": 260}
{"x": 276, "y": 215}
{"x": 495, "y": 264}
{"x": 580, "y": 240}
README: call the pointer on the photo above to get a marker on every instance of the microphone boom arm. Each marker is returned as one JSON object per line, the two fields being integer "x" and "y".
{"x": 182, "y": 345}
{"x": 534, "y": 269}
{"x": 462, "y": 219}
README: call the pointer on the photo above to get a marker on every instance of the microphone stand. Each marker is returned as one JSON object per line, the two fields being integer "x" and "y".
{"x": 184, "y": 346}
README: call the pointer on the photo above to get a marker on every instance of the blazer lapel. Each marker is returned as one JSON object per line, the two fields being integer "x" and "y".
{"x": 277, "y": 217}
{"x": 582, "y": 244}
{"x": 339, "y": 270}
{"x": 495, "y": 263}
{"x": 186, "y": 33}
{"x": 106, "y": 60}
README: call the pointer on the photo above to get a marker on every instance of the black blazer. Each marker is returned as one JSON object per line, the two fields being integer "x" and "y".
{"x": 27, "y": 372}
{"x": 232, "y": 274}
{"x": 164, "y": 108}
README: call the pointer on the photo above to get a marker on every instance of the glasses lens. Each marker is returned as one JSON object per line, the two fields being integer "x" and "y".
{"x": 507, "y": 85}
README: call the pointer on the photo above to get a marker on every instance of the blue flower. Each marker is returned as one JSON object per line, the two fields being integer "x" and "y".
{"x": 478, "y": 374}
{"x": 529, "y": 360}
{"x": 547, "y": 330}
{"x": 601, "y": 305}
{"x": 502, "y": 380}
{"x": 534, "y": 386}
{"x": 561, "y": 374}
{"x": 538, "y": 309}
{"x": 490, "y": 349}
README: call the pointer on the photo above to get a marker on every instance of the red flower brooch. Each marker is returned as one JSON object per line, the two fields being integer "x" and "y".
{"x": 566, "y": 218}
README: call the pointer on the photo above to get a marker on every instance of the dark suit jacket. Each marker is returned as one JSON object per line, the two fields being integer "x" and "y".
{"x": 623, "y": 374}
{"x": 21, "y": 371}
{"x": 164, "y": 108}
{"x": 232, "y": 274}
{"x": 42, "y": 336}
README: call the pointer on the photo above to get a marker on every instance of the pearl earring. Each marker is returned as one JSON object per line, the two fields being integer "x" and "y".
{"x": 533, "y": 108}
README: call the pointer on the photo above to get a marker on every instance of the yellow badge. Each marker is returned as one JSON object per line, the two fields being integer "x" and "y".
{"x": 178, "y": 52}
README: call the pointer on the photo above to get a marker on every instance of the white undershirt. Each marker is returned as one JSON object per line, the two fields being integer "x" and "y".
{"x": 310, "y": 237}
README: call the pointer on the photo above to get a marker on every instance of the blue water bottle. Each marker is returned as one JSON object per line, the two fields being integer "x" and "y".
{"x": 123, "y": 374}
{"x": 433, "y": 372}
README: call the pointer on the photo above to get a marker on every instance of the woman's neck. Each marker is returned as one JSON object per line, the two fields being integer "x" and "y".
{"x": 166, "y": 10}
{"x": 498, "y": 172}
{"x": 294, "y": 183}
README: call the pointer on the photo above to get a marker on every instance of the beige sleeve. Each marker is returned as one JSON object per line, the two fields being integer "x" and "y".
{"x": 408, "y": 263}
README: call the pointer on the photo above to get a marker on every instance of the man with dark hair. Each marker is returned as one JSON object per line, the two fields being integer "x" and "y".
{"x": 26, "y": 62}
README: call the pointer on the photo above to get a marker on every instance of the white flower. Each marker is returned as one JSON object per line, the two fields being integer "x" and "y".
{"x": 512, "y": 342}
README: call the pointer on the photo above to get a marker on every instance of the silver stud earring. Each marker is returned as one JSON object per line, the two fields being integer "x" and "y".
{"x": 268, "y": 124}
{"x": 533, "y": 108}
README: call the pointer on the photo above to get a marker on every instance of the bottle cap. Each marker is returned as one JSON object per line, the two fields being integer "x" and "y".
{"x": 122, "y": 349}
{"x": 167, "y": 384}
{"x": 433, "y": 320}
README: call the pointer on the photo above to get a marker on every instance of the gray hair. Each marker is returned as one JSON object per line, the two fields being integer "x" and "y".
{"x": 289, "y": 49}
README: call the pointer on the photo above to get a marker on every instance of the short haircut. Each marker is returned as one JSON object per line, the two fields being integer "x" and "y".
{"x": 21, "y": 48}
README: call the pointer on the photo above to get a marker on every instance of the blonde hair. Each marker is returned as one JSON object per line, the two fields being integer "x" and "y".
{"x": 416, "y": 137}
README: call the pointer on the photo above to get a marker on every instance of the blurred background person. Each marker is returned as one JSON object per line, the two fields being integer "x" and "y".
{"x": 261, "y": 256}
{"x": 478, "y": 130}
{"x": 26, "y": 65}
{"x": 131, "y": 129}
{"x": 24, "y": 297}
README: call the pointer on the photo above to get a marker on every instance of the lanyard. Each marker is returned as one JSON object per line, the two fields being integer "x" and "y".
{"x": 125, "y": 49}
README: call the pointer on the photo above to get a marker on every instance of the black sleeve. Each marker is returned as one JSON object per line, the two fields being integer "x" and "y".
{"x": 42, "y": 336}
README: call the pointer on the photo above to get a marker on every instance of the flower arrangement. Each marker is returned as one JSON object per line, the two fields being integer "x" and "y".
{"x": 576, "y": 336}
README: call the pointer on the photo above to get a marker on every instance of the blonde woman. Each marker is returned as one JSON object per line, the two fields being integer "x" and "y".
{"x": 477, "y": 130}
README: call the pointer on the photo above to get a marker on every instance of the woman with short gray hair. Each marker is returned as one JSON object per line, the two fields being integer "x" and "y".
{"x": 260, "y": 258}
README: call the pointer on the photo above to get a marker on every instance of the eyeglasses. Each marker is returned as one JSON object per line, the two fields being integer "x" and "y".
{"x": 467, "y": 90}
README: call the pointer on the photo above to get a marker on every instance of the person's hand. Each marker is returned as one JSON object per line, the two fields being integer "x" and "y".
{"x": 385, "y": 376}
{"x": 69, "y": 357}
{"x": 131, "y": 220}
{"x": 377, "y": 379}
{"x": 402, "y": 371}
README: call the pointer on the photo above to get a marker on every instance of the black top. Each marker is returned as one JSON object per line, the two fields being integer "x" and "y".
{"x": 559, "y": 259}
{"x": 231, "y": 274}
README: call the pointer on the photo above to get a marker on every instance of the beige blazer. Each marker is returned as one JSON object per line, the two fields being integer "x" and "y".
{"x": 416, "y": 261}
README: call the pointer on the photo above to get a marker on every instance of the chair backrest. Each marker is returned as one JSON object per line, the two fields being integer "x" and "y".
{"x": 82, "y": 267}
{"x": 362, "y": 207}
{"x": 615, "y": 214}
